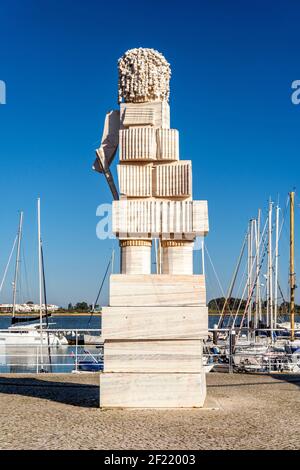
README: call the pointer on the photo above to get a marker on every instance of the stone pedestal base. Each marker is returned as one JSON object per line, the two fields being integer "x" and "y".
{"x": 153, "y": 335}
{"x": 145, "y": 390}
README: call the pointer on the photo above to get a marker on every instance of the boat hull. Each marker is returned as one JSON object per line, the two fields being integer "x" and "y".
{"x": 30, "y": 339}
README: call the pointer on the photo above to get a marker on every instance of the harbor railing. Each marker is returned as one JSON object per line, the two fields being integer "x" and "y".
{"x": 265, "y": 350}
{"x": 34, "y": 351}
{"x": 31, "y": 350}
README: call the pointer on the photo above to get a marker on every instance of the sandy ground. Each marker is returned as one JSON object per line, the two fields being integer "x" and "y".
{"x": 243, "y": 411}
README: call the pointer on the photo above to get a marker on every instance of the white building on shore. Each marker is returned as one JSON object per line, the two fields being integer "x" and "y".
{"x": 27, "y": 308}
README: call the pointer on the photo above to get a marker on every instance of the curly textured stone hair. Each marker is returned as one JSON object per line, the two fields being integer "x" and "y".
{"x": 144, "y": 75}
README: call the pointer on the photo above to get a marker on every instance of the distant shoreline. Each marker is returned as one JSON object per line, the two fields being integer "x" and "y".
{"x": 76, "y": 314}
{"x": 62, "y": 314}
{"x": 87, "y": 314}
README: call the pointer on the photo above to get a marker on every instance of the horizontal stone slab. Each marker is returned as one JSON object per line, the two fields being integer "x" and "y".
{"x": 165, "y": 390}
{"x": 157, "y": 290}
{"x": 154, "y": 322}
{"x": 149, "y": 218}
{"x": 153, "y": 356}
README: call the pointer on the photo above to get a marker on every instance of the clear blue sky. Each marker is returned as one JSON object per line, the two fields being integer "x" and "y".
{"x": 233, "y": 64}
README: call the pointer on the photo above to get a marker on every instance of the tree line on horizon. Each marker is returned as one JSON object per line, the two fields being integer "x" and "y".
{"x": 79, "y": 307}
{"x": 216, "y": 305}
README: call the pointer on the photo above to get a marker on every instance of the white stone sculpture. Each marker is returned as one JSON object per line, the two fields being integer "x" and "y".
{"x": 155, "y": 323}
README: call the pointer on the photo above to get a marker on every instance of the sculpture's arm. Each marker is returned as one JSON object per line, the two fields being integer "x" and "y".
{"x": 109, "y": 141}
{"x": 108, "y": 148}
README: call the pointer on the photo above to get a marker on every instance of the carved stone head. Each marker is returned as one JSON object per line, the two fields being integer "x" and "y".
{"x": 144, "y": 75}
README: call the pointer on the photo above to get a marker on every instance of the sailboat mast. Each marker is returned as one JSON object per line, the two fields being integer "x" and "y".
{"x": 270, "y": 271}
{"x": 276, "y": 267}
{"x": 17, "y": 264}
{"x": 249, "y": 273}
{"x": 252, "y": 258}
{"x": 40, "y": 260}
{"x": 232, "y": 284}
{"x": 40, "y": 276}
{"x": 8, "y": 263}
{"x": 292, "y": 264}
{"x": 257, "y": 257}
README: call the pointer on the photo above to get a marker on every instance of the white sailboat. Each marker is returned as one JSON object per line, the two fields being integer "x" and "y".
{"x": 29, "y": 335}
{"x": 32, "y": 334}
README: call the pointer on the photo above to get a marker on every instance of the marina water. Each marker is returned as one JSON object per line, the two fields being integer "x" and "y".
{"x": 58, "y": 359}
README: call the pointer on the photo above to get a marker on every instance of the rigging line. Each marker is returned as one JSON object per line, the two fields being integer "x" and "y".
{"x": 239, "y": 291}
{"x": 284, "y": 212}
{"x": 101, "y": 286}
{"x": 237, "y": 298}
{"x": 279, "y": 287}
{"x": 244, "y": 276}
{"x": 109, "y": 263}
{"x": 20, "y": 291}
{"x": 8, "y": 263}
{"x": 241, "y": 299}
{"x": 46, "y": 305}
{"x": 284, "y": 216}
{"x": 247, "y": 303}
{"x": 210, "y": 289}
{"x": 221, "y": 288}
{"x": 44, "y": 284}
{"x": 214, "y": 300}
{"x": 280, "y": 232}
{"x": 264, "y": 252}
{"x": 287, "y": 243}
{"x": 252, "y": 289}
{"x": 231, "y": 287}
{"x": 26, "y": 274}
{"x": 281, "y": 292}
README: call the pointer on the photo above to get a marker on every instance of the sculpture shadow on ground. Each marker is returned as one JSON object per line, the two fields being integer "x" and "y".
{"x": 280, "y": 377}
{"x": 290, "y": 378}
{"x": 69, "y": 393}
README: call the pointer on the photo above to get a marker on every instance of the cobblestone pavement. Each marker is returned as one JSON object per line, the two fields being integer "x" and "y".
{"x": 243, "y": 411}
